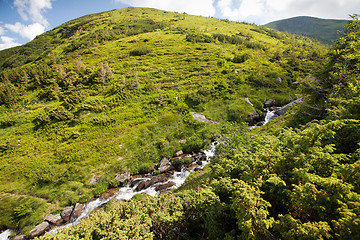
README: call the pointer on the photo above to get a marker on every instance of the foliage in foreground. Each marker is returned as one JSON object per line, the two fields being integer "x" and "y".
{"x": 115, "y": 90}
{"x": 290, "y": 183}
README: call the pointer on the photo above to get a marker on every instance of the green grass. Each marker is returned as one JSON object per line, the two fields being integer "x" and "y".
{"x": 115, "y": 90}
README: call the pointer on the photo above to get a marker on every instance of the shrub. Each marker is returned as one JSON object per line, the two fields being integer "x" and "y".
{"x": 237, "y": 112}
{"x": 8, "y": 93}
{"x": 61, "y": 114}
{"x": 241, "y": 58}
{"x": 139, "y": 51}
{"x": 145, "y": 167}
{"x": 102, "y": 120}
{"x": 53, "y": 115}
{"x": 194, "y": 143}
{"x": 198, "y": 37}
{"x": 229, "y": 39}
{"x": 4, "y": 123}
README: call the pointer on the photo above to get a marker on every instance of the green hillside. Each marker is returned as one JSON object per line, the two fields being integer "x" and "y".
{"x": 114, "y": 91}
{"x": 324, "y": 30}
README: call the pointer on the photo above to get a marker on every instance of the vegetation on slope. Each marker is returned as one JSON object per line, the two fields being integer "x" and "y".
{"x": 284, "y": 183}
{"x": 324, "y": 30}
{"x": 114, "y": 90}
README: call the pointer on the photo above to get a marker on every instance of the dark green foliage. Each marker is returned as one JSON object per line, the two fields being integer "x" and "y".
{"x": 102, "y": 120}
{"x": 240, "y": 58}
{"x": 343, "y": 71}
{"x": 228, "y": 39}
{"x": 7, "y": 122}
{"x": 8, "y": 93}
{"x": 139, "y": 51}
{"x": 324, "y": 30}
{"x": 53, "y": 115}
{"x": 270, "y": 32}
{"x": 198, "y": 38}
{"x": 237, "y": 40}
{"x": 21, "y": 212}
{"x": 116, "y": 90}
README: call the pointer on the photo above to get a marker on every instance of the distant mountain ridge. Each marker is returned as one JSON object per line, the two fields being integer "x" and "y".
{"x": 324, "y": 30}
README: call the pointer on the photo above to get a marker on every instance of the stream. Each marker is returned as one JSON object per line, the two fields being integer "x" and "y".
{"x": 269, "y": 115}
{"x": 127, "y": 192}
{"x": 6, "y": 234}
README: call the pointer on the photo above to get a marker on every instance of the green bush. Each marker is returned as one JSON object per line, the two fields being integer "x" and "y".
{"x": 145, "y": 167}
{"x": 198, "y": 38}
{"x": 139, "y": 51}
{"x": 6, "y": 122}
{"x": 240, "y": 58}
{"x": 21, "y": 212}
{"x": 9, "y": 94}
{"x": 194, "y": 143}
{"x": 102, "y": 120}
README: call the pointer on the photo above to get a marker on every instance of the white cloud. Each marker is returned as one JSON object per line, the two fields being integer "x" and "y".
{"x": 2, "y": 31}
{"x": 196, "y": 7}
{"x": 7, "y": 42}
{"x": 237, "y": 10}
{"x": 33, "y": 10}
{"x": 26, "y": 31}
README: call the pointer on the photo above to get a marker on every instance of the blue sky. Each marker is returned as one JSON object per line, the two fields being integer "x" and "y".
{"x": 22, "y": 20}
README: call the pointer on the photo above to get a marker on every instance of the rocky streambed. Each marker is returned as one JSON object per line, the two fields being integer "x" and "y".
{"x": 269, "y": 111}
{"x": 170, "y": 174}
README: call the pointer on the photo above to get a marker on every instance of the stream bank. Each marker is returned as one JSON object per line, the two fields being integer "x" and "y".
{"x": 169, "y": 175}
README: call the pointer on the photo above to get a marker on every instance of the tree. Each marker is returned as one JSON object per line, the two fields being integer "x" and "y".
{"x": 344, "y": 62}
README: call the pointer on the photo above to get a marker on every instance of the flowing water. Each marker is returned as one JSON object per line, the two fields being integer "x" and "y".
{"x": 127, "y": 192}
{"x": 6, "y": 234}
{"x": 269, "y": 115}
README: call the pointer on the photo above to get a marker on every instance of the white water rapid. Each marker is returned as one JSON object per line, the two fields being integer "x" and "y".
{"x": 6, "y": 234}
{"x": 269, "y": 115}
{"x": 127, "y": 192}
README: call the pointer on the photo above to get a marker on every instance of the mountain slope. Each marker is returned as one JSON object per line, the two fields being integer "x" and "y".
{"x": 324, "y": 30}
{"x": 115, "y": 91}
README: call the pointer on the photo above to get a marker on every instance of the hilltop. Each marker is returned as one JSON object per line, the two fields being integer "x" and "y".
{"x": 114, "y": 92}
{"x": 324, "y": 30}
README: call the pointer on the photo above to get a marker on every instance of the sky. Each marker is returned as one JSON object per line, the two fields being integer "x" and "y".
{"x": 22, "y": 20}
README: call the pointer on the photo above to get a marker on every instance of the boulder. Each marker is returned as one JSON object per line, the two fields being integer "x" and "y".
{"x": 135, "y": 181}
{"x": 141, "y": 186}
{"x": 199, "y": 158}
{"x": 94, "y": 180}
{"x": 252, "y": 118}
{"x": 268, "y": 103}
{"x": 202, "y": 118}
{"x": 157, "y": 179}
{"x": 278, "y": 79}
{"x": 192, "y": 166}
{"x": 122, "y": 177}
{"x": 282, "y": 110}
{"x": 66, "y": 213}
{"x": 259, "y": 124}
{"x": 178, "y": 154}
{"x": 39, "y": 230}
{"x": 109, "y": 193}
{"x": 264, "y": 112}
{"x": 54, "y": 219}
{"x": 165, "y": 186}
{"x": 177, "y": 163}
{"x": 19, "y": 237}
{"x": 77, "y": 211}
{"x": 165, "y": 165}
